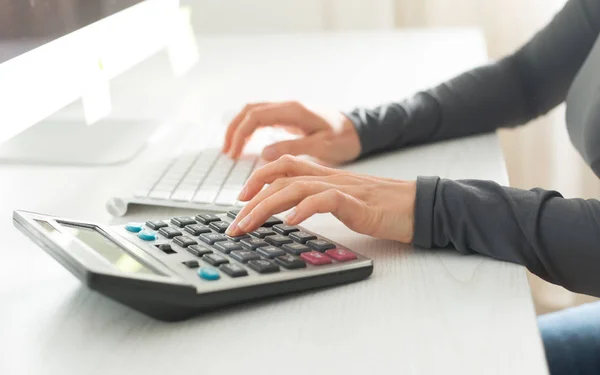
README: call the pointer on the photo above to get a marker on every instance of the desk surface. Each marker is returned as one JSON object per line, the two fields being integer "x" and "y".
{"x": 421, "y": 312}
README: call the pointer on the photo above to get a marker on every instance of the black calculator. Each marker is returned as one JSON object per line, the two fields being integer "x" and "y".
{"x": 176, "y": 268}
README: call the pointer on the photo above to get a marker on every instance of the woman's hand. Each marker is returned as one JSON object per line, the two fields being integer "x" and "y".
{"x": 330, "y": 138}
{"x": 379, "y": 207}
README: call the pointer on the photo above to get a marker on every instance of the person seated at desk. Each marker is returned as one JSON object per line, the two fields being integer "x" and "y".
{"x": 558, "y": 239}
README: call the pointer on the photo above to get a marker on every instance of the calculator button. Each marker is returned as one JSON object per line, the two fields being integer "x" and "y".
{"x": 315, "y": 258}
{"x": 166, "y": 248}
{"x": 234, "y": 270}
{"x": 207, "y": 218}
{"x": 169, "y": 232}
{"x": 215, "y": 259}
{"x": 191, "y": 264}
{"x": 270, "y": 251}
{"x": 147, "y": 236}
{"x": 183, "y": 221}
{"x": 272, "y": 221}
{"x": 263, "y": 266}
{"x": 134, "y": 227}
{"x": 285, "y": 229}
{"x": 253, "y": 243}
{"x": 184, "y": 241}
{"x": 199, "y": 250}
{"x": 156, "y": 225}
{"x": 302, "y": 237}
{"x": 238, "y": 238}
{"x": 320, "y": 245}
{"x": 197, "y": 229}
{"x": 278, "y": 240}
{"x": 209, "y": 273}
{"x": 296, "y": 248}
{"x": 244, "y": 255}
{"x": 211, "y": 238}
{"x": 233, "y": 213}
{"x": 290, "y": 262}
{"x": 219, "y": 226}
{"x": 263, "y": 232}
{"x": 341, "y": 255}
{"x": 227, "y": 246}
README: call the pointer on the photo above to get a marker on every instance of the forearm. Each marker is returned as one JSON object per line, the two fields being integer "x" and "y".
{"x": 555, "y": 238}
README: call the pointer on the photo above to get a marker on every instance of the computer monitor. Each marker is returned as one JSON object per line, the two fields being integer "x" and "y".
{"x": 60, "y": 53}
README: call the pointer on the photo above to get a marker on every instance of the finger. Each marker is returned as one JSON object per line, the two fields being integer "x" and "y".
{"x": 233, "y": 125}
{"x": 310, "y": 145}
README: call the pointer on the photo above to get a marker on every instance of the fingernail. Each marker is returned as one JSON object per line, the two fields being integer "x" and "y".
{"x": 269, "y": 153}
{"x": 291, "y": 215}
{"x": 245, "y": 222}
{"x": 231, "y": 228}
{"x": 243, "y": 192}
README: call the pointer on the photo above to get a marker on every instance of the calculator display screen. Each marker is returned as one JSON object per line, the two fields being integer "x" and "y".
{"x": 112, "y": 252}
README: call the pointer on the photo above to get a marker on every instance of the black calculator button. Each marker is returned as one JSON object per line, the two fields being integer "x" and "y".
{"x": 285, "y": 229}
{"x": 199, "y": 250}
{"x": 290, "y": 262}
{"x": 253, "y": 243}
{"x": 227, "y": 246}
{"x": 233, "y": 270}
{"x": 191, "y": 264}
{"x": 244, "y": 255}
{"x": 183, "y": 221}
{"x": 207, "y": 218}
{"x": 233, "y": 213}
{"x": 263, "y": 232}
{"x": 278, "y": 240}
{"x": 320, "y": 245}
{"x": 156, "y": 225}
{"x": 272, "y": 221}
{"x": 238, "y": 238}
{"x": 302, "y": 237}
{"x": 263, "y": 266}
{"x": 215, "y": 259}
{"x": 166, "y": 248}
{"x": 212, "y": 238}
{"x": 296, "y": 248}
{"x": 197, "y": 229}
{"x": 184, "y": 241}
{"x": 169, "y": 232}
{"x": 219, "y": 226}
{"x": 270, "y": 251}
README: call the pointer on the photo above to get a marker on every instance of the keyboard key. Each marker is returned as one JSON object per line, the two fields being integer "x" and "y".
{"x": 270, "y": 251}
{"x": 315, "y": 258}
{"x": 183, "y": 194}
{"x": 161, "y": 195}
{"x": 191, "y": 264}
{"x": 233, "y": 213}
{"x": 156, "y": 225}
{"x": 209, "y": 273}
{"x": 296, "y": 248}
{"x": 272, "y": 221}
{"x": 183, "y": 221}
{"x": 244, "y": 255}
{"x": 341, "y": 255}
{"x": 320, "y": 245}
{"x": 302, "y": 237}
{"x": 219, "y": 226}
{"x": 147, "y": 236}
{"x": 166, "y": 248}
{"x": 199, "y": 250}
{"x": 227, "y": 246}
{"x": 263, "y": 232}
{"x": 169, "y": 232}
{"x": 278, "y": 240}
{"x": 197, "y": 229}
{"x": 233, "y": 270}
{"x": 263, "y": 266}
{"x": 253, "y": 243}
{"x": 285, "y": 229}
{"x": 205, "y": 195}
{"x": 207, "y": 218}
{"x": 238, "y": 238}
{"x": 290, "y": 262}
{"x": 227, "y": 197}
{"x": 215, "y": 259}
{"x": 212, "y": 238}
{"x": 184, "y": 241}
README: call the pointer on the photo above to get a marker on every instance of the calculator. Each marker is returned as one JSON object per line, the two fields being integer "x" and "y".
{"x": 176, "y": 268}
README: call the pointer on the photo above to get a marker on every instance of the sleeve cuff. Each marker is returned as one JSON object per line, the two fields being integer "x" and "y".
{"x": 424, "y": 203}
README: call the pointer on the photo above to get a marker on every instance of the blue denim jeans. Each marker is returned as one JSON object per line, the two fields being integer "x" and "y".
{"x": 572, "y": 340}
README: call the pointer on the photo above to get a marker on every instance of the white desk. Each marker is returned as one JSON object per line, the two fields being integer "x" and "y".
{"x": 421, "y": 312}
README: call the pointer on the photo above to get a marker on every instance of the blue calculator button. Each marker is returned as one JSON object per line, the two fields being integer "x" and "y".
{"x": 147, "y": 236}
{"x": 134, "y": 227}
{"x": 209, "y": 273}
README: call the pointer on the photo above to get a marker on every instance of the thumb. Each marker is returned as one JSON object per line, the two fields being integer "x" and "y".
{"x": 301, "y": 146}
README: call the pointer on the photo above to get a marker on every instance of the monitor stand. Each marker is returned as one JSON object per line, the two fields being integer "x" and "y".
{"x": 71, "y": 142}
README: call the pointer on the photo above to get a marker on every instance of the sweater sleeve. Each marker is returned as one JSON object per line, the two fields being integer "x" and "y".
{"x": 506, "y": 93}
{"x": 557, "y": 239}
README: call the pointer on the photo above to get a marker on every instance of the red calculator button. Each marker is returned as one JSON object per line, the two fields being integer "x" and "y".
{"x": 315, "y": 258}
{"x": 341, "y": 255}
